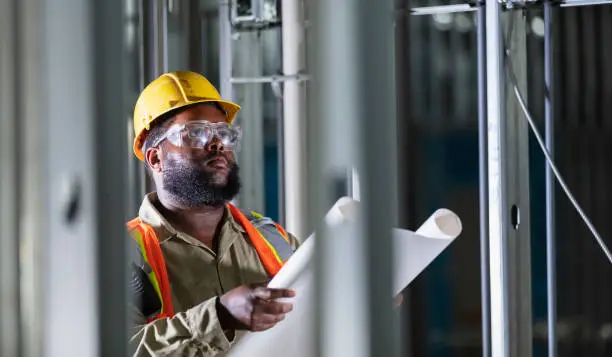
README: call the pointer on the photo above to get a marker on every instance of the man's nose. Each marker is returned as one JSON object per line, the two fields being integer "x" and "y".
{"x": 215, "y": 145}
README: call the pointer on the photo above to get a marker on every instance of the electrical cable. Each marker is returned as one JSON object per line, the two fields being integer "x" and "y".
{"x": 550, "y": 161}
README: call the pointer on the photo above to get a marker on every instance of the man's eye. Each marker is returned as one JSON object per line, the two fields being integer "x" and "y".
{"x": 173, "y": 136}
{"x": 201, "y": 133}
{"x": 195, "y": 133}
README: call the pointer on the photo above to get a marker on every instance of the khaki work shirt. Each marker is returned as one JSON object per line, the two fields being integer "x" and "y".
{"x": 197, "y": 276}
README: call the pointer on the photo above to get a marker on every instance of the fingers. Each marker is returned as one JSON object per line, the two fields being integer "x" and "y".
{"x": 267, "y": 319}
{"x": 267, "y": 314}
{"x": 271, "y": 294}
{"x": 273, "y": 307}
{"x": 262, "y": 327}
{"x": 262, "y": 322}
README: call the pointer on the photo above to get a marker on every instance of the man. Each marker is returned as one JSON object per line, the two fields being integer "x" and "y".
{"x": 202, "y": 258}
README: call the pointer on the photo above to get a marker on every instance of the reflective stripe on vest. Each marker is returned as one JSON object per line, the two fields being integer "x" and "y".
{"x": 271, "y": 244}
{"x": 269, "y": 239}
{"x": 145, "y": 236}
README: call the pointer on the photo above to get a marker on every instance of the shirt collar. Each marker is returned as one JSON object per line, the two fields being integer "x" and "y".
{"x": 163, "y": 229}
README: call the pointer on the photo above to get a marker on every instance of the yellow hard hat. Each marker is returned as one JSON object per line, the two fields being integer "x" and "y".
{"x": 169, "y": 92}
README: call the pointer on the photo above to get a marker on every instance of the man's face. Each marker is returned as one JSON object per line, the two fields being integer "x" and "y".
{"x": 198, "y": 176}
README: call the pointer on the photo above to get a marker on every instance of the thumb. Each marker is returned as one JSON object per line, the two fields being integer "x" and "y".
{"x": 261, "y": 292}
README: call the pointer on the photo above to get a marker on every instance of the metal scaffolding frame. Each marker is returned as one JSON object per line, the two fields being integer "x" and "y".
{"x": 497, "y": 288}
{"x": 290, "y": 90}
{"x": 504, "y": 4}
{"x": 503, "y": 340}
{"x": 502, "y": 141}
{"x": 67, "y": 209}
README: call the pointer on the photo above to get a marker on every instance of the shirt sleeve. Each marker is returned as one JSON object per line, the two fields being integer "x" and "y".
{"x": 195, "y": 332}
{"x": 293, "y": 241}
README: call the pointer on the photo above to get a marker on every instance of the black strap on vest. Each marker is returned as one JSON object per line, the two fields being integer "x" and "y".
{"x": 143, "y": 293}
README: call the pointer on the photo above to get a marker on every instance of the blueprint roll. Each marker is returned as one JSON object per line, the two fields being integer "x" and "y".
{"x": 301, "y": 258}
{"x": 294, "y": 336}
{"x": 415, "y": 251}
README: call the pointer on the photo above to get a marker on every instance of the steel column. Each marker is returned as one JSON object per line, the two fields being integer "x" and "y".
{"x": 378, "y": 178}
{"x": 354, "y": 82}
{"x": 10, "y": 324}
{"x": 249, "y": 61}
{"x": 498, "y": 214}
{"x": 294, "y": 113}
{"x": 509, "y": 235}
{"x": 154, "y": 62}
{"x": 551, "y": 250}
{"x": 327, "y": 48}
{"x": 111, "y": 176}
{"x": 483, "y": 183}
{"x": 83, "y": 198}
{"x": 154, "y": 32}
{"x": 32, "y": 144}
{"x": 225, "y": 50}
{"x": 160, "y": 34}
{"x": 70, "y": 278}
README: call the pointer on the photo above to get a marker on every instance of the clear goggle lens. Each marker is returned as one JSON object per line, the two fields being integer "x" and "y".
{"x": 198, "y": 134}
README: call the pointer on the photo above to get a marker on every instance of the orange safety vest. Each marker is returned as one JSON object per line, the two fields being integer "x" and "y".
{"x": 268, "y": 237}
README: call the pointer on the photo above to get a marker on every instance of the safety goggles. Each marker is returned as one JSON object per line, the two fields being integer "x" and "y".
{"x": 197, "y": 134}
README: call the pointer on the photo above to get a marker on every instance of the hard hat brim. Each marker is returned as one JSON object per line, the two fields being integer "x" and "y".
{"x": 230, "y": 108}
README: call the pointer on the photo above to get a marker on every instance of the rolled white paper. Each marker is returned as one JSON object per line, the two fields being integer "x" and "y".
{"x": 413, "y": 252}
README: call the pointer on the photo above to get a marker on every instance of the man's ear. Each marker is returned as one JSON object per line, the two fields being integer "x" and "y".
{"x": 153, "y": 158}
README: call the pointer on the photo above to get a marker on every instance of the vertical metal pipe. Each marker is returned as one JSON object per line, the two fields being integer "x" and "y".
{"x": 196, "y": 42}
{"x": 34, "y": 142}
{"x": 280, "y": 140}
{"x": 249, "y": 62}
{"x": 225, "y": 50}
{"x": 333, "y": 107}
{"x": 153, "y": 62}
{"x": 483, "y": 183}
{"x": 353, "y": 82}
{"x": 378, "y": 178}
{"x": 161, "y": 37}
{"x": 145, "y": 42}
{"x": 551, "y": 249}
{"x": 109, "y": 148}
{"x": 70, "y": 279}
{"x": 10, "y": 183}
{"x": 498, "y": 210}
{"x": 293, "y": 116}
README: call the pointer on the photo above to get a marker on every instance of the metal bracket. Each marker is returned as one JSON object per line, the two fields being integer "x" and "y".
{"x": 472, "y": 6}
{"x": 270, "y": 79}
{"x": 254, "y": 15}
{"x": 575, "y": 3}
{"x": 446, "y": 9}
{"x": 519, "y": 4}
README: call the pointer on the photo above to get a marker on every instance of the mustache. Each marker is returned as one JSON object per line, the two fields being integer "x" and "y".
{"x": 224, "y": 158}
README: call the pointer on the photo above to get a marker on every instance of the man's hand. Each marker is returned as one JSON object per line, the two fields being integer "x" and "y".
{"x": 253, "y": 307}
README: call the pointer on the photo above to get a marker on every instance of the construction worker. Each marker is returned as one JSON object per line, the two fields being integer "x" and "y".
{"x": 201, "y": 260}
